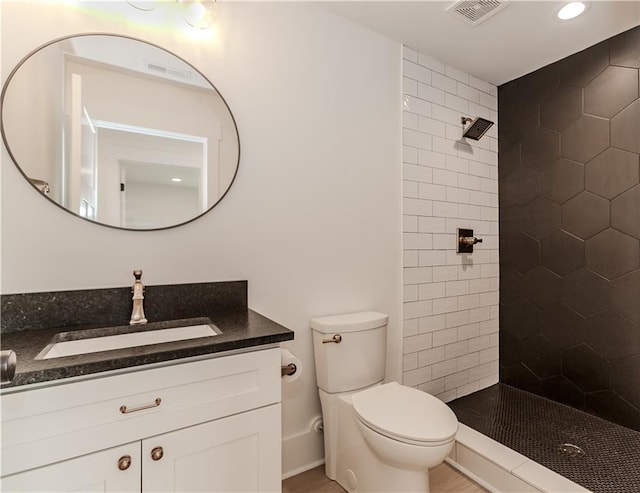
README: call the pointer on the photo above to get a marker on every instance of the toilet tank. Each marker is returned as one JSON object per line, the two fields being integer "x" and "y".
{"x": 358, "y": 360}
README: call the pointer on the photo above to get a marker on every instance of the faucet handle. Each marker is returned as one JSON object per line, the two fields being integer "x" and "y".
{"x": 137, "y": 273}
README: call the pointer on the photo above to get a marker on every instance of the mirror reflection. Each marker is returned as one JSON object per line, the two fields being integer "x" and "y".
{"x": 119, "y": 131}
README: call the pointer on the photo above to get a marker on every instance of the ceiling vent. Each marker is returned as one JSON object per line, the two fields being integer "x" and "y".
{"x": 474, "y": 12}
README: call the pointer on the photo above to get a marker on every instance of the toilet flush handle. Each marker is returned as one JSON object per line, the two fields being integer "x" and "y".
{"x": 337, "y": 338}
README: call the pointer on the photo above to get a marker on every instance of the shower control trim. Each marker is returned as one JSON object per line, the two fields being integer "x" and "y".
{"x": 466, "y": 240}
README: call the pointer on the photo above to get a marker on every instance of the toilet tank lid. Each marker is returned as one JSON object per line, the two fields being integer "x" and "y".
{"x": 349, "y": 322}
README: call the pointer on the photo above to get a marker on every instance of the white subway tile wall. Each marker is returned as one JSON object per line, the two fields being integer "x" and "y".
{"x": 450, "y": 300}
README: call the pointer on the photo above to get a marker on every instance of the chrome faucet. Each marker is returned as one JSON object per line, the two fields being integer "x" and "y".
{"x": 137, "y": 314}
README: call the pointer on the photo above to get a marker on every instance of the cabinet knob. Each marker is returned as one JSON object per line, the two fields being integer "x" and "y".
{"x": 124, "y": 462}
{"x": 157, "y": 453}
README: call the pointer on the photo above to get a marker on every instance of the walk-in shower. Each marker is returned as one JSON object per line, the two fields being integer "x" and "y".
{"x": 592, "y": 452}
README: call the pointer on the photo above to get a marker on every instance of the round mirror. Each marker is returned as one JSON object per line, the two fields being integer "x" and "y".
{"x": 119, "y": 131}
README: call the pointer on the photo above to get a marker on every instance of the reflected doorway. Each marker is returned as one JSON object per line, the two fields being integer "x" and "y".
{"x": 147, "y": 176}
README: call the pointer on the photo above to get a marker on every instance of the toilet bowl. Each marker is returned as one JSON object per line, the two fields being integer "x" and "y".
{"x": 378, "y": 437}
{"x": 404, "y": 426}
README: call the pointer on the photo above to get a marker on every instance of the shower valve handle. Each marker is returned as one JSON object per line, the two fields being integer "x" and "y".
{"x": 469, "y": 240}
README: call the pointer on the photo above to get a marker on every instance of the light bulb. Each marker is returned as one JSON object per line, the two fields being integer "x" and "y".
{"x": 145, "y": 5}
{"x": 199, "y": 13}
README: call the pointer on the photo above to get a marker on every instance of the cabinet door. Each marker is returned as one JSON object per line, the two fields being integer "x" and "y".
{"x": 239, "y": 453}
{"x": 105, "y": 471}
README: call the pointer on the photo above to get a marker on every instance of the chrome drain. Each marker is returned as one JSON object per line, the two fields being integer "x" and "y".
{"x": 571, "y": 450}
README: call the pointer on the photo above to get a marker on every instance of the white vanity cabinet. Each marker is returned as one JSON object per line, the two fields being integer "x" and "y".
{"x": 230, "y": 454}
{"x": 97, "y": 472}
{"x": 207, "y": 425}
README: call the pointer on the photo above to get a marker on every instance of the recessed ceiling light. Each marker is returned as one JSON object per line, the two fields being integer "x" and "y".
{"x": 571, "y": 10}
{"x": 177, "y": 180}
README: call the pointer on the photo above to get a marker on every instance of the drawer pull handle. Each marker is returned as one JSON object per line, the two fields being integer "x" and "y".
{"x": 126, "y": 410}
{"x": 157, "y": 453}
{"x": 124, "y": 462}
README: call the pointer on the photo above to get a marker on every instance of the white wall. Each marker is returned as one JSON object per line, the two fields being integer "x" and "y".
{"x": 450, "y": 300}
{"x": 43, "y": 105}
{"x": 313, "y": 218}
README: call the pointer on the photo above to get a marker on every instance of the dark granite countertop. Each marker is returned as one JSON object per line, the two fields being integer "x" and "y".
{"x": 240, "y": 329}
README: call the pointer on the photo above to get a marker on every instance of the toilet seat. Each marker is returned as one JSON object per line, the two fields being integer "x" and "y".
{"x": 414, "y": 417}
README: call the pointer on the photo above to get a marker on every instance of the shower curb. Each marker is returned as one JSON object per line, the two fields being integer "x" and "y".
{"x": 503, "y": 470}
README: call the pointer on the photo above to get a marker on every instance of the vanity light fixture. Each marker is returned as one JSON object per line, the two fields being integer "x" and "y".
{"x": 145, "y": 5}
{"x": 177, "y": 180}
{"x": 571, "y": 10}
{"x": 199, "y": 13}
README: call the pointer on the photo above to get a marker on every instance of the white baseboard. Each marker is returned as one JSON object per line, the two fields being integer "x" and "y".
{"x": 302, "y": 452}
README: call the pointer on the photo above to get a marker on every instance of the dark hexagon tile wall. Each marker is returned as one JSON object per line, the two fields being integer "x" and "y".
{"x": 521, "y": 187}
{"x": 540, "y": 148}
{"x": 569, "y": 176}
{"x": 585, "y": 138}
{"x": 585, "y": 368}
{"x": 562, "y": 252}
{"x": 614, "y": 89}
{"x": 541, "y": 357}
{"x": 612, "y": 253}
{"x": 522, "y": 318}
{"x": 621, "y": 218}
{"x": 585, "y": 292}
{"x": 521, "y": 252}
{"x": 612, "y": 172}
{"x": 625, "y": 377}
{"x": 585, "y": 215}
{"x": 625, "y": 49}
{"x": 541, "y": 287}
{"x": 612, "y": 335}
{"x": 561, "y": 108}
{"x": 540, "y": 217}
{"x": 581, "y": 68}
{"x": 625, "y": 128}
{"x": 625, "y": 293}
{"x": 562, "y": 180}
{"x": 560, "y": 389}
{"x": 562, "y": 326}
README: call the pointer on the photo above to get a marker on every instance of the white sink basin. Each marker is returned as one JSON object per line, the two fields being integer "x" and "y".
{"x": 120, "y": 341}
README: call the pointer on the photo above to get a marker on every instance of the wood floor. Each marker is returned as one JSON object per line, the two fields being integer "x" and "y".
{"x": 444, "y": 479}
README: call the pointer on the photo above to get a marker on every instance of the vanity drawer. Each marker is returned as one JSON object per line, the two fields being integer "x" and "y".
{"x": 72, "y": 419}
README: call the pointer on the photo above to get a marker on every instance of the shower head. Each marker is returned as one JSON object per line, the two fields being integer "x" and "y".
{"x": 477, "y": 129}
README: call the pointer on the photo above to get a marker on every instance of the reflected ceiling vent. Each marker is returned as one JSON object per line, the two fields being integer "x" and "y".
{"x": 473, "y": 12}
{"x": 168, "y": 72}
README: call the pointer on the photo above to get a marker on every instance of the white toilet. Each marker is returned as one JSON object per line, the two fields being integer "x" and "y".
{"x": 377, "y": 437}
